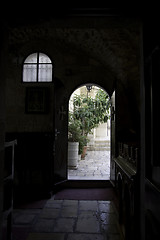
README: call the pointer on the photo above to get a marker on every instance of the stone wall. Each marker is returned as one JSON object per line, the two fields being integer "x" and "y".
{"x": 3, "y": 62}
{"x": 104, "y": 52}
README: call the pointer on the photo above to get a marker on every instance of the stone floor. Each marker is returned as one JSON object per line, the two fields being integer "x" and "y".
{"x": 95, "y": 166}
{"x": 69, "y": 220}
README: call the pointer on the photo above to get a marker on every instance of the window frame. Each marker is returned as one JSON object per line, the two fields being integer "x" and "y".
{"x": 37, "y": 64}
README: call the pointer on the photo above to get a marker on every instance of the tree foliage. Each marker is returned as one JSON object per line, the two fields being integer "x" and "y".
{"x": 91, "y": 112}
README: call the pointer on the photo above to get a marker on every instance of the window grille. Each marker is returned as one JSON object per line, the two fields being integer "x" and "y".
{"x": 37, "y": 67}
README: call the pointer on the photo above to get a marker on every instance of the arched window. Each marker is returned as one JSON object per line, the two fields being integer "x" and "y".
{"x": 37, "y": 67}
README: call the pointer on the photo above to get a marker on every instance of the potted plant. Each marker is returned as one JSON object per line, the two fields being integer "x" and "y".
{"x": 74, "y": 138}
{"x": 83, "y": 146}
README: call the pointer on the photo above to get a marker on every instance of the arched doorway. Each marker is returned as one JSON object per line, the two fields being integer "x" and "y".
{"x": 95, "y": 163}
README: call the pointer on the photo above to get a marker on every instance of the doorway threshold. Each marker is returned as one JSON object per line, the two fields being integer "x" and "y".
{"x": 90, "y": 178}
{"x": 87, "y": 184}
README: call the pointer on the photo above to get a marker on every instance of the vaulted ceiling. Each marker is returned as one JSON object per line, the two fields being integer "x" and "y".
{"x": 113, "y": 41}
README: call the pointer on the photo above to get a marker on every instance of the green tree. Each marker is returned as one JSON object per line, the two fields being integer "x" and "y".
{"x": 91, "y": 111}
{"x": 102, "y": 102}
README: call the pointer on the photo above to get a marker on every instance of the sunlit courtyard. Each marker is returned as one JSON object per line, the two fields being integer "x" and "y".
{"x": 95, "y": 166}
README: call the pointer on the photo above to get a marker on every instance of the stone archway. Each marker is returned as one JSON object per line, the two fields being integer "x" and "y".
{"x": 96, "y": 163}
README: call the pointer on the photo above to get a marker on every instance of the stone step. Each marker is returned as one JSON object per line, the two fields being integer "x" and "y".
{"x": 101, "y": 148}
{"x": 93, "y": 148}
{"x": 102, "y": 140}
{"x": 101, "y": 145}
{"x": 106, "y": 143}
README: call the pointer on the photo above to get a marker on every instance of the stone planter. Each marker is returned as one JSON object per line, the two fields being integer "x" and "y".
{"x": 73, "y": 148}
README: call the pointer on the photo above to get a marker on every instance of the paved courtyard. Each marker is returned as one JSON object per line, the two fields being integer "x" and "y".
{"x": 95, "y": 166}
{"x": 69, "y": 220}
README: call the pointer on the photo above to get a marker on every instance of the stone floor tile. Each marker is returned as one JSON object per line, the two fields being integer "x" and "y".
{"x": 97, "y": 172}
{"x": 44, "y": 225}
{"x": 106, "y": 176}
{"x": 72, "y": 203}
{"x": 93, "y": 168}
{"x": 68, "y": 211}
{"x": 46, "y": 236}
{"x": 18, "y": 212}
{"x": 87, "y": 225}
{"x": 108, "y": 218}
{"x": 23, "y": 219}
{"x": 26, "y": 211}
{"x": 104, "y": 201}
{"x": 88, "y": 214}
{"x": 49, "y": 213}
{"x": 75, "y": 236}
{"x": 106, "y": 207}
{"x": 71, "y": 220}
{"x": 64, "y": 225}
{"x": 97, "y": 176}
{"x": 81, "y": 174}
{"x": 96, "y": 165}
{"x": 53, "y": 205}
{"x": 88, "y": 205}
